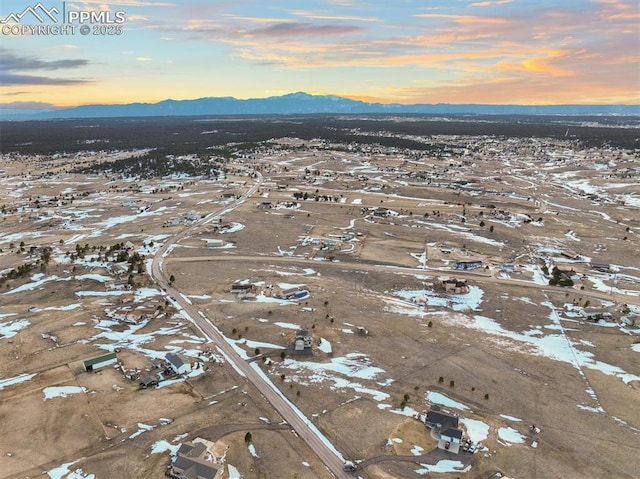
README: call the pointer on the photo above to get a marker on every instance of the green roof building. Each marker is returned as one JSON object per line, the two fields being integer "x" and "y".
{"x": 99, "y": 361}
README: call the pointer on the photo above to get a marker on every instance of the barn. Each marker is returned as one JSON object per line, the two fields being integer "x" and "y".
{"x": 99, "y": 362}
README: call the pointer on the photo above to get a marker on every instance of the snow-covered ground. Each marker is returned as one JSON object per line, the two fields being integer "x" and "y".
{"x": 16, "y": 380}
{"x": 440, "y": 399}
{"x": 443, "y": 466}
{"x": 510, "y": 435}
{"x": 61, "y": 391}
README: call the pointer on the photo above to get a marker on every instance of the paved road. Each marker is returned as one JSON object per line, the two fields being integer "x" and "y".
{"x": 306, "y": 430}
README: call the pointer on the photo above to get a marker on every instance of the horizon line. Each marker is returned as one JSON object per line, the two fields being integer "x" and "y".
{"x": 53, "y": 108}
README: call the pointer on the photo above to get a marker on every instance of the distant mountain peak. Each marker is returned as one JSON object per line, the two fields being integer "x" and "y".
{"x": 304, "y": 103}
{"x": 297, "y": 94}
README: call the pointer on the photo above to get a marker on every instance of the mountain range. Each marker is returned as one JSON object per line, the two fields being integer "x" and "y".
{"x": 303, "y": 103}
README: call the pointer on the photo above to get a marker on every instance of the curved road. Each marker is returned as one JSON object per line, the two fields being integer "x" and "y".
{"x": 480, "y": 277}
{"x": 306, "y": 430}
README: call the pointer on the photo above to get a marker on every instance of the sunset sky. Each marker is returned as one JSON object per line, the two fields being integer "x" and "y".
{"x": 429, "y": 51}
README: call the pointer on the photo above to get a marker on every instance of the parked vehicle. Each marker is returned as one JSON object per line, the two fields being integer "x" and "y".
{"x": 349, "y": 466}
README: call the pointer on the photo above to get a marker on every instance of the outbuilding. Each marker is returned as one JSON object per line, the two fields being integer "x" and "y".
{"x": 467, "y": 264}
{"x": 600, "y": 265}
{"x": 148, "y": 382}
{"x": 99, "y": 362}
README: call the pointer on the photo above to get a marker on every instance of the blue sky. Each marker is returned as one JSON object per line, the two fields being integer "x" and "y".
{"x": 437, "y": 51}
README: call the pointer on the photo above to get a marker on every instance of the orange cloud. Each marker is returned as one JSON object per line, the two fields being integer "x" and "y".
{"x": 465, "y": 19}
{"x": 536, "y": 91}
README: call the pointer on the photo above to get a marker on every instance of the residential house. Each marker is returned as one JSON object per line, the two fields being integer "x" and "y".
{"x": 381, "y": 212}
{"x": 436, "y": 418}
{"x": 192, "y": 462}
{"x": 303, "y": 341}
{"x": 177, "y": 363}
{"x": 446, "y": 426}
{"x": 596, "y": 314}
{"x": 291, "y": 293}
{"x": 455, "y": 286}
{"x": 508, "y": 268}
{"x": 467, "y": 265}
{"x": 233, "y": 194}
{"x": 242, "y": 288}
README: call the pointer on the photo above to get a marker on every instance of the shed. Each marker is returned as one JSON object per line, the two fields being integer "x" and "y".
{"x": 99, "y": 361}
{"x": 600, "y": 265}
{"x": 148, "y": 382}
{"x": 214, "y": 243}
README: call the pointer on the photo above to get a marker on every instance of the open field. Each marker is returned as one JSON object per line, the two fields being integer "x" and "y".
{"x": 534, "y": 346}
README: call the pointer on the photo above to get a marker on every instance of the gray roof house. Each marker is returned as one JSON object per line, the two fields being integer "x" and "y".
{"x": 447, "y": 426}
{"x": 440, "y": 419}
{"x": 178, "y": 364}
{"x": 190, "y": 463}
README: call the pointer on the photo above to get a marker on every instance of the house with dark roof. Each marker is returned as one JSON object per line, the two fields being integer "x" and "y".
{"x": 177, "y": 363}
{"x": 467, "y": 264}
{"x": 192, "y": 462}
{"x": 242, "y": 288}
{"x": 446, "y": 429}
{"x": 440, "y": 419}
